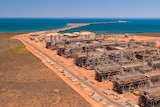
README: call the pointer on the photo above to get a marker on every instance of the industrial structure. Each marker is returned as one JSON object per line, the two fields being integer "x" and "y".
{"x": 130, "y": 81}
{"x": 150, "y": 97}
{"x": 106, "y": 72}
{"x": 154, "y": 77}
{"x": 130, "y": 65}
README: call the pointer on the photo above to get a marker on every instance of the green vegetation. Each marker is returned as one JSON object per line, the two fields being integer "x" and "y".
{"x": 19, "y": 49}
{"x": 26, "y": 82}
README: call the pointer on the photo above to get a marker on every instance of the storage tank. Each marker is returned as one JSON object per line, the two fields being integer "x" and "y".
{"x": 53, "y": 37}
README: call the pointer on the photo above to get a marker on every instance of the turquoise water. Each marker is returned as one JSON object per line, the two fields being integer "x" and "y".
{"x": 131, "y": 26}
{"x": 112, "y": 25}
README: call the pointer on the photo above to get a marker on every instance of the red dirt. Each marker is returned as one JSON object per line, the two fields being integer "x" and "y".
{"x": 25, "y": 81}
{"x": 62, "y": 60}
{"x": 89, "y": 73}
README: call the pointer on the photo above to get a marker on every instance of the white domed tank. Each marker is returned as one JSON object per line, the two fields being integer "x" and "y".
{"x": 86, "y": 34}
{"x": 53, "y": 37}
{"x": 76, "y": 33}
{"x": 71, "y": 35}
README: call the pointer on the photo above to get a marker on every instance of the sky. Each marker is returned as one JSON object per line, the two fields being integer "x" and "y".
{"x": 79, "y": 8}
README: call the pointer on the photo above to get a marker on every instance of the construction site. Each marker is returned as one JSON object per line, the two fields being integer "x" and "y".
{"x": 119, "y": 63}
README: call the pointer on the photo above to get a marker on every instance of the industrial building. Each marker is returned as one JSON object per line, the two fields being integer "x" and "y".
{"x": 150, "y": 97}
{"x": 130, "y": 81}
{"x": 130, "y": 65}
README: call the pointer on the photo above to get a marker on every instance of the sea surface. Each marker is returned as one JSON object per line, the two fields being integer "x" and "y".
{"x": 122, "y": 26}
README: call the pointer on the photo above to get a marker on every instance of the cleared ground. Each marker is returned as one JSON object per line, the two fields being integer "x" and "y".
{"x": 26, "y": 82}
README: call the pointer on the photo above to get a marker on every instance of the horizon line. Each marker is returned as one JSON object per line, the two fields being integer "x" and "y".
{"x": 79, "y": 17}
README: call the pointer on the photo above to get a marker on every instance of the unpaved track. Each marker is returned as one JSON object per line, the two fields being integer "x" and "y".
{"x": 37, "y": 52}
{"x": 26, "y": 82}
{"x": 81, "y": 80}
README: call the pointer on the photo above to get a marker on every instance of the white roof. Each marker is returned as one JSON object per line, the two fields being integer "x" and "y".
{"x": 76, "y": 33}
{"x": 53, "y": 34}
{"x": 86, "y": 33}
{"x": 68, "y": 34}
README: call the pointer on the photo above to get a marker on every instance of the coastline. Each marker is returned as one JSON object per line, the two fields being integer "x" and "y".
{"x": 117, "y": 26}
{"x": 138, "y": 34}
{"x": 142, "y": 37}
{"x": 76, "y": 70}
{"x": 68, "y": 27}
{"x": 150, "y": 34}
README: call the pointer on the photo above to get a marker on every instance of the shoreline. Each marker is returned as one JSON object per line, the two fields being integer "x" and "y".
{"x": 81, "y": 92}
{"x": 60, "y": 23}
{"x": 138, "y": 34}
{"x": 70, "y": 26}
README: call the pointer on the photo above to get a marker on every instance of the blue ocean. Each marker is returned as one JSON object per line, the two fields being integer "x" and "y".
{"x": 122, "y": 26}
